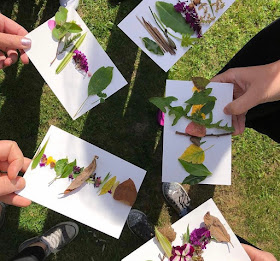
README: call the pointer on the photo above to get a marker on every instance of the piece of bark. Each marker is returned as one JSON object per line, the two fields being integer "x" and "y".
{"x": 82, "y": 177}
{"x": 126, "y": 192}
{"x": 217, "y": 229}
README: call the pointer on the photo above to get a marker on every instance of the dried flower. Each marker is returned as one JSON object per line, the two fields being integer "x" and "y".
{"x": 180, "y": 7}
{"x": 182, "y": 253}
{"x": 80, "y": 60}
{"x": 51, "y": 160}
{"x": 97, "y": 182}
{"x": 76, "y": 170}
{"x": 200, "y": 237}
{"x": 43, "y": 161}
{"x": 71, "y": 176}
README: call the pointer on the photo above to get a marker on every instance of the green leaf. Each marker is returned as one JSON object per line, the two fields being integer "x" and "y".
{"x": 152, "y": 46}
{"x": 172, "y": 19}
{"x": 192, "y": 180}
{"x": 162, "y": 102}
{"x": 102, "y": 95}
{"x": 38, "y": 156}
{"x": 188, "y": 41}
{"x": 208, "y": 107}
{"x": 164, "y": 242}
{"x": 195, "y": 169}
{"x": 200, "y": 82}
{"x": 178, "y": 112}
{"x": 76, "y": 175}
{"x": 201, "y": 97}
{"x": 61, "y": 15}
{"x": 186, "y": 236}
{"x": 59, "y": 32}
{"x": 59, "y": 166}
{"x": 68, "y": 57}
{"x": 68, "y": 169}
{"x": 104, "y": 181}
{"x": 72, "y": 28}
{"x": 100, "y": 80}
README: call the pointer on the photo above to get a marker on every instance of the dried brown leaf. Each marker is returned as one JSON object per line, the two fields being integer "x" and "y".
{"x": 168, "y": 232}
{"x": 216, "y": 228}
{"x": 126, "y": 192}
{"x": 82, "y": 177}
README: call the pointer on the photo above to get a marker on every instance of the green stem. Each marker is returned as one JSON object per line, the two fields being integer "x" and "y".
{"x": 80, "y": 107}
{"x": 68, "y": 57}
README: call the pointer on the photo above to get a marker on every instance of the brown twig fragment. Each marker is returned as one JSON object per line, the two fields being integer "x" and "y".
{"x": 208, "y": 135}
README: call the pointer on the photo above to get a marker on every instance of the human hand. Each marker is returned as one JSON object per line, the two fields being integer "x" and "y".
{"x": 11, "y": 39}
{"x": 252, "y": 86}
{"x": 11, "y": 162}
{"x": 258, "y": 255}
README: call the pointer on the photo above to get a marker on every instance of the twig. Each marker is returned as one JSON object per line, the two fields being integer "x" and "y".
{"x": 56, "y": 53}
{"x": 208, "y": 135}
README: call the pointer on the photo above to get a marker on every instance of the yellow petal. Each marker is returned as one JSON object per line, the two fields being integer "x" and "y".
{"x": 50, "y": 159}
{"x": 107, "y": 186}
{"x": 195, "y": 89}
{"x": 193, "y": 154}
{"x": 196, "y": 108}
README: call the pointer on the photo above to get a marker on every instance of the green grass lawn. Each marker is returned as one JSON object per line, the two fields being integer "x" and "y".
{"x": 28, "y": 107}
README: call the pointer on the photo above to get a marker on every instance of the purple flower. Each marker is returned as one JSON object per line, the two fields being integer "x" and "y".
{"x": 182, "y": 253}
{"x": 80, "y": 60}
{"x": 43, "y": 161}
{"x": 180, "y": 7}
{"x": 200, "y": 237}
{"x": 71, "y": 176}
{"x": 42, "y": 164}
{"x": 76, "y": 170}
{"x": 97, "y": 182}
{"x": 160, "y": 118}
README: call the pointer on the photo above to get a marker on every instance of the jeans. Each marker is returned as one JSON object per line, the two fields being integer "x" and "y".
{"x": 34, "y": 253}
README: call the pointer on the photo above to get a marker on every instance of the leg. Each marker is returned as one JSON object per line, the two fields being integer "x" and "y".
{"x": 261, "y": 49}
{"x": 33, "y": 253}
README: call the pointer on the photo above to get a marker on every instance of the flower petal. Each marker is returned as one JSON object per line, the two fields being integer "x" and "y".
{"x": 160, "y": 118}
{"x": 51, "y": 24}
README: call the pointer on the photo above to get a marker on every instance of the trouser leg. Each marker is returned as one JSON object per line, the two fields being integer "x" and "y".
{"x": 34, "y": 253}
{"x": 262, "y": 49}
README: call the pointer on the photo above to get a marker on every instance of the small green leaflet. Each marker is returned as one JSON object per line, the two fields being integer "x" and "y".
{"x": 164, "y": 242}
{"x": 162, "y": 102}
{"x": 38, "y": 156}
{"x": 195, "y": 169}
{"x": 192, "y": 180}
{"x": 68, "y": 169}
{"x": 178, "y": 112}
{"x": 172, "y": 19}
{"x": 61, "y": 15}
{"x": 201, "y": 97}
{"x": 186, "y": 236}
{"x": 188, "y": 41}
{"x": 152, "y": 46}
{"x": 59, "y": 166}
{"x": 208, "y": 107}
{"x": 100, "y": 80}
{"x": 200, "y": 82}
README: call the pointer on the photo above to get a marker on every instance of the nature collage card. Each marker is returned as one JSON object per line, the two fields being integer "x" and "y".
{"x": 73, "y": 63}
{"x": 160, "y": 29}
{"x": 204, "y": 159}
{"x": 83, "y": 182}
{"x": 225, "y": 246}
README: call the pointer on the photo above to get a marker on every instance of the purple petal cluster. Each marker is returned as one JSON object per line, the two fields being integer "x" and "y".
{"x": 191, "y": 16}
{"x": 182, "y": 253}
{"x": 43, "y": 161}
{"x": 76, "y": 170}
{"x": 80, "y": 60}
{"x": 200, "y": 237}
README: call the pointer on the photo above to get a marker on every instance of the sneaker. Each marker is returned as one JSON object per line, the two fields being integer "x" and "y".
{"x": 177, "y": 197}
{"x": 139, "y": 225}
{"x": 55, "y": 238}
{"x": 69, "y": 3}
{"x": 2, "y": 214}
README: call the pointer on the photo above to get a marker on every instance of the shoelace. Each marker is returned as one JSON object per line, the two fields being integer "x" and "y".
{"x": 182, "y": 201}
{"x": 54, "y": 239}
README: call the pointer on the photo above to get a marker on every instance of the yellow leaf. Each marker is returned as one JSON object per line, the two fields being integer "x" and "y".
{"x": 114, "y": 187}
{"x": 195, "y": 89}
{"x": 107, "y": 186}
{"x": 193, "y": 154}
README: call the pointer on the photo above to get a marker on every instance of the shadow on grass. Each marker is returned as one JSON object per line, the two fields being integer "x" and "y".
{"x": 19, "y": 116}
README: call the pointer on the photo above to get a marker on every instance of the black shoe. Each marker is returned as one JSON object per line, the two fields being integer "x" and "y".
{"x": 55, "y": 238}
{"x": 177, "y": 197}
{"x": 2, "y": 214}
{"x": 138, "y": 224}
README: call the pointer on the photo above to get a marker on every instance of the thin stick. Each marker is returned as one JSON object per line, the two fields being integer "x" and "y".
{"x": 208, "y": 135}
{"x": 56, "y": 53}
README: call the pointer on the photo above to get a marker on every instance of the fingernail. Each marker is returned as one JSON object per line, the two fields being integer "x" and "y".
{"x": 26, "y": 42}
{"x": 20, "y": 183}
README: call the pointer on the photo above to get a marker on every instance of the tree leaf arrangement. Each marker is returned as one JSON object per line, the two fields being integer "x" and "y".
{"x": 201, "y": 105}
{"x": 64, "y": 30}
{"x": 99, "y": 81}
{"x": 124, "y": 192}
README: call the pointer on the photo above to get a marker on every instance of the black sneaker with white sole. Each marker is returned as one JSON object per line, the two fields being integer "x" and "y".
{"x": 177, "y": 197}
{"x": 139, "y": 225}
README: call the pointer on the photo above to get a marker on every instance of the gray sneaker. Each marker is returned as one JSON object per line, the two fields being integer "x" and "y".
{"x": 55, "y": 238}
{"x": 2, "y": 214}
{"x": 139, "y": 225}
{"x": 177, "y": 197}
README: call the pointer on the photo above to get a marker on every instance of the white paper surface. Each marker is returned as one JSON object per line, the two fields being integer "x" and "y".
{"x": 213, "y": 252}
{"x": 99, "y": 212}
{"x": 70, "y": 86}
{"x": 217, "y": 158}
{"x": 135, "y": 31}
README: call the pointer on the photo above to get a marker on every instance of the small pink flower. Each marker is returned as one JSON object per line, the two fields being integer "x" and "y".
{"x": 160, "y": 118}
{"x": 182, "y": 253}
{"x": 51, "y": 24}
